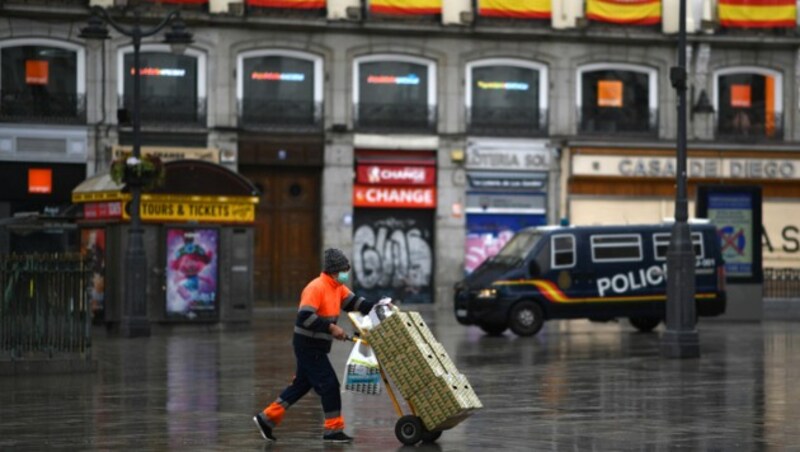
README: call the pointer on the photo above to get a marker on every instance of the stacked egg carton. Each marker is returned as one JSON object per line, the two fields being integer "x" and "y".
{"x": 420, "y": 368}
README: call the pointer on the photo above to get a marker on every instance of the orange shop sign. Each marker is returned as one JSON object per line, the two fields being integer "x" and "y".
{"x": 609, "y": 93}
{"x": 37, "y": 72}
{"x": 40, "y": 180}
{"x": 399, "y": 197}
{"x": 741, "y": 96}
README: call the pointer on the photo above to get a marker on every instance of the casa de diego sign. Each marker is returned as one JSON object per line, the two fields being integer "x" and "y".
{"x": 699, "y": 167}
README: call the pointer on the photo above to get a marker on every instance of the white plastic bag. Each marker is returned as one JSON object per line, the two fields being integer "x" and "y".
{"x": 380, "y": 311}
{"x": 361, "y": 373}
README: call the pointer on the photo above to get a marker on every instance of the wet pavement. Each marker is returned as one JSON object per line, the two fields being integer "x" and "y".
{"x": 576, "y": 386}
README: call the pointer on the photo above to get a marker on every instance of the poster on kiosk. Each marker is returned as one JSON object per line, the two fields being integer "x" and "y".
{"x": 192, "y": 276}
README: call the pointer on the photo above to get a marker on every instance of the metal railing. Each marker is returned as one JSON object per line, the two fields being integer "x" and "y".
{"x": 749, "y": 124}
{"x": 608, "y": 120}
{"x": 167, "y": 111}
{"x": 782, "y": 283}
{"x": 390, "y": 118}
{"x": 280, "y": 115}
{"x": 43, "y": 309}
{"x": 50, "y": 108}
{"x": 506, "y": 121}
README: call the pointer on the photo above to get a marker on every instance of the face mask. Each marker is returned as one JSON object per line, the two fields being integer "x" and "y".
{"x": 343, "y": 277}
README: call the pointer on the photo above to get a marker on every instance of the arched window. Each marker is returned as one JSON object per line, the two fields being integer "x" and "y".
{"x": 42, "y": 80}
{"x": 506, "y": 97}
{"x": 173, "y": 87}
{"x": 749, "y": 103}
{"x": 279, "y": 89}
{"x": 617, "y": 98}
{"x": 394, "y": 93}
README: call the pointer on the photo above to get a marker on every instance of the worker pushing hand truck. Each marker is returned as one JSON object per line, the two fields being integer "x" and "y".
{"x": 438, "y": 397}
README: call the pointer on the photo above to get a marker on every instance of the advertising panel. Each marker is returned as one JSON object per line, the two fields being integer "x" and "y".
{"x": 93, "y": 250}
{"x": 168, "y": 84}
{"x": 395, "y": 175}
{"x": 107, "y": 210}
{"x": 393, "y": 82}
{"x": 192, "y": 273}
{"x": 397, "y": 197}
{"x": 486, "y": 235}
{"x": 505, "y": 87}
{"x": 393, "y": 254}
{"x": 736, "y": 213}
{"x": 278, "y": 89}
{"x": 733, "y": 215}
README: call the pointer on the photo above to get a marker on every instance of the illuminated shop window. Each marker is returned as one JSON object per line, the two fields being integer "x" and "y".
{"x": 506, "y": 97}
{"x": 748, "y": 103}
{"x": 42, "y": 81}
{"x": 617, "y": 98}
{"x": 172, "y": 87}
{"x": 279, "y": 90}
{"x": 394, "y": 93}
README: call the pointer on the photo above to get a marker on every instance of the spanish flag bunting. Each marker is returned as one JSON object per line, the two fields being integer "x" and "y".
{"x": 758, "y": 13}
{"x": 405, "y": 7}
{"x": 517, "y": 9}
{"x": 288, "y": 4}
{"x": 628, "y": 12}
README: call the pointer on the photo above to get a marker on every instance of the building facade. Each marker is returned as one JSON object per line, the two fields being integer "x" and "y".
{"x": 416, "y": 138}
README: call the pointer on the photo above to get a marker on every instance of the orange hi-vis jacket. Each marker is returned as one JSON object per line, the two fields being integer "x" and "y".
{"x": 320, "y": 304}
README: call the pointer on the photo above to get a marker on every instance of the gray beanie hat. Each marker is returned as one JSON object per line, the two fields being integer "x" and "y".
{"x": 335, "y": 261}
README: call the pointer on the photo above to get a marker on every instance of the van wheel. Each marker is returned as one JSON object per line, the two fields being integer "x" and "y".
{"x": 493, "y": 330}
{"x": 644, "y": 324}
{"x": 526, "y": 318}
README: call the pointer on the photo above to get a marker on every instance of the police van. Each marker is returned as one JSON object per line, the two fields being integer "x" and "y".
{"x": 594, "y": 272}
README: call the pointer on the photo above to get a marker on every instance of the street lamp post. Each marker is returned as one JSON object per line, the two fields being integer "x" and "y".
{"x": 680, "y": 340}
{"x": 134, "y": 313}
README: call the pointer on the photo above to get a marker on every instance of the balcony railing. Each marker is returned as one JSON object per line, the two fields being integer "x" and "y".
{"x": 395, "y": 118}
{"x": 628, "y": 121}
{"x": 506, "y": 121}
{"x": 168, "y": 111}
{"x": 24, "y": 106}
{"x": 749, "y": 124}
{"x": 280, "y": 115}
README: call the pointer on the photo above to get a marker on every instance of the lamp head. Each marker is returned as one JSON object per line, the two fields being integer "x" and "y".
{"x": 178, "y": 37}
{"x": 703, "y": 105}
{"x": 95, "y": 30}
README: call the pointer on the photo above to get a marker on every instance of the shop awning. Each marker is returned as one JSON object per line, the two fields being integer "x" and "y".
{"x": 194, "y": 191}
{"x": 99, "y": 187}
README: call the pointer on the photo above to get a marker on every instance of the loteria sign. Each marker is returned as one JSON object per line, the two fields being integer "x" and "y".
{"x": 398, "y": 197}
{"x": 396, "y": 175}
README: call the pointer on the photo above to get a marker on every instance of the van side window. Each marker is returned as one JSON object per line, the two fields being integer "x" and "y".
{"x": 616, "y": 248}
{"x": 563, "y": 247}
{"x": 661, "y": 244}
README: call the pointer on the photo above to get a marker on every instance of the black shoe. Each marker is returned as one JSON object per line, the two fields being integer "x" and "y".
{"x": 263, "y": 427}
{"x": 339, "y": 437}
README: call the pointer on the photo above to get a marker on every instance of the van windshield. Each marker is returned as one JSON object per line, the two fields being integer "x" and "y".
{"x": 518, "y": 247}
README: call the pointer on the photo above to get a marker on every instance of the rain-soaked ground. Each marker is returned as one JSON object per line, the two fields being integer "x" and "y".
{"x": 576, "y": 386}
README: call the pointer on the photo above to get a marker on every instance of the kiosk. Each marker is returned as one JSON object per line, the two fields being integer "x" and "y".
{"x": 198, "y": 238}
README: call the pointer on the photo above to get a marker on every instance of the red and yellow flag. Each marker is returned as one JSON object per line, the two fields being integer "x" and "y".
{"x": 517, "y": 9}
{"x": 629, "y": 12}
{"x": 405, "y": 7}
{"x": 289, "y": 4}
{"x": 758, "y": 13}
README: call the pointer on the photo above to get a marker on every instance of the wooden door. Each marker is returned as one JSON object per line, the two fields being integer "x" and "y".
{"x": 287, "y": 233}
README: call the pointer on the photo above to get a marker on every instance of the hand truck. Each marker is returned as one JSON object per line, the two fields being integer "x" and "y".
{"x": 409, "y": 428}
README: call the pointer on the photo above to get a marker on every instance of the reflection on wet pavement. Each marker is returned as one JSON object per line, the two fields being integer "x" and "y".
{"x": 576, "y": 386}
